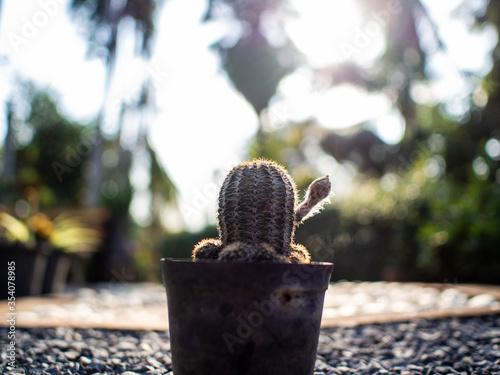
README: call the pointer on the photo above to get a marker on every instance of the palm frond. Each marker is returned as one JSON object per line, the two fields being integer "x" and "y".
{"x": 72, "y": 234}
{"x": 14, "y": 229}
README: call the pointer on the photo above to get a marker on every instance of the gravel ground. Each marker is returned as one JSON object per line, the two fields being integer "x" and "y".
{"x": 345, "y": 299}
{"x": 444, "y": 346}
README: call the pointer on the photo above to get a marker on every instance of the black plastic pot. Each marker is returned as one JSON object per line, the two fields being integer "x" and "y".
{"x": 244, "y": 318}
{"x": 56, "y": 274}
{"x": 29, "y": 269}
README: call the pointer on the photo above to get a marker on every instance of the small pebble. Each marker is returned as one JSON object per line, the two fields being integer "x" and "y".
{"x": 481, "y": 300}
{"x": 72, "y": 355}
{"x": 85, "y": 360}
{"x": 343, "y": 369}
{"x": 126, "y": 345}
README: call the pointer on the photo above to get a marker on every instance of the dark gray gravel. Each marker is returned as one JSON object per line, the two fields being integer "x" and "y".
{"x": 445, "y": 346}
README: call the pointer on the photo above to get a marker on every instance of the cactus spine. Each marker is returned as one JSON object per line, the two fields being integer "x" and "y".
{"x": 257, "y": 215}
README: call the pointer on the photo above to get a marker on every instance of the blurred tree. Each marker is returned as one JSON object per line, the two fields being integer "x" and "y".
{"x": 8, "y": 170}
{"x": 50, "y": 151}
{"x": 0, "y": 15}
{"x": 160, "y": 190}
{"x": 255, "y": 63}
{"x": 9, "y": 158}
{"x": 460, "y": 236}
{"x": 104, "y": 17}
{"x": 118, "y": 194}
{"x": 258, "y": 60}
{"x": 426, "y": 206}
{"x": 393, "y": 73}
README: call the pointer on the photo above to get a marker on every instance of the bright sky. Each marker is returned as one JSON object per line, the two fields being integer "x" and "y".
{"x": 202, "y": 125}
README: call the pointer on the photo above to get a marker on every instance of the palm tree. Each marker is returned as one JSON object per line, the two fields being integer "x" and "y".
{"x": 9, "y": 159}
{"x": 104, "y": 18}
{"x": 403, "y": 62}
{"x": 254, "y": 65}
{"x": 0, "y": 10}
{"x": 161, "y": 187}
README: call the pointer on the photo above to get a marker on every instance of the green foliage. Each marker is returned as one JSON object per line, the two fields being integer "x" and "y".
{"x": 180, "y": 245}
{"x": 55, "y": 144}
{"x": 102, "y": 17}
{"x": 432, "y": 213}
{"x": 66, "y": 232}
{"x": 286, "y": 147}
{"x": 435, "y": 218}
{"x": 460, "y": 235}
{"x": 270, "y": 147}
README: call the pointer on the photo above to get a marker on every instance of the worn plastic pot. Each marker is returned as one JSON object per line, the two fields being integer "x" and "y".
{"x": 57, "y": 271}
{"x": 244, "y": 318}
{"x": 29, "y": 269}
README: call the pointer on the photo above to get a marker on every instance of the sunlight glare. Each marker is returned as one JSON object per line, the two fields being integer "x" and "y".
{"x": 338, "y": 107}
{"x": 348, "y": 105}
{"x": 390, "y": 127}
{"x": 321, "y": 26}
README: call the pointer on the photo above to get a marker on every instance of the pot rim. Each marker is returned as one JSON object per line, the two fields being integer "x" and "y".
{"x": 241, "y": 276}
{"x": 263, "y": 263}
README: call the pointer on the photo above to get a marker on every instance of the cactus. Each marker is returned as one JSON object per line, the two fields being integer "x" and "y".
{"x": 258, "y": 214}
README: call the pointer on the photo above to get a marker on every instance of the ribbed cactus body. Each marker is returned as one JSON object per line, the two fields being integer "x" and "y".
{"x": 256, "y": 205}
{"x": 258, "y": 213}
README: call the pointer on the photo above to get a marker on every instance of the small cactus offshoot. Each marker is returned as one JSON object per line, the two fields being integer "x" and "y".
{"x": 258, "y": 214}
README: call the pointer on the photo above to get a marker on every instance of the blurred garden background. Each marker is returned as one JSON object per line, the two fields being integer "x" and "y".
{"x": 120, "y": 118}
